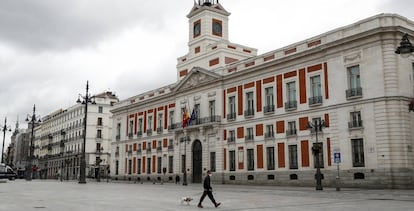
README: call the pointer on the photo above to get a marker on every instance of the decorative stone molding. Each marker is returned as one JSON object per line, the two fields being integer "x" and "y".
{"x": 352, "y": 58}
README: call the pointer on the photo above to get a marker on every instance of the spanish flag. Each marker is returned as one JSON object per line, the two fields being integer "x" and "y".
{"x": 186, "y": 117}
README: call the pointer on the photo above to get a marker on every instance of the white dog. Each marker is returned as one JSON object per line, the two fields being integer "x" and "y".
{"x": 186, "y": 199}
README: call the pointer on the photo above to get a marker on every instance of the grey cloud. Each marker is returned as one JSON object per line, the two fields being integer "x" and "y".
{"x": 39, "y": 25}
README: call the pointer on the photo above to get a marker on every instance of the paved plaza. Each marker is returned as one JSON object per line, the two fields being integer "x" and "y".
{"x": 53, "y": 195}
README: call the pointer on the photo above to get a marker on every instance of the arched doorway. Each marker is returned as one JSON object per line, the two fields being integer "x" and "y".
{"x": 197, "y": 161}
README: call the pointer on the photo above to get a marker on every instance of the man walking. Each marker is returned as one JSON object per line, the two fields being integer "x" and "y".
{"x": 208, "y": 191}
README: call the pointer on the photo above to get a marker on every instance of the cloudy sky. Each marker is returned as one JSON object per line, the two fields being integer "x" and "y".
{"x": 49, "y": 48}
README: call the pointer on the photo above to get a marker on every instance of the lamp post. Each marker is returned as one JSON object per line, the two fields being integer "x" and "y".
{"x": 405, "y": 49}
{"x": 185, "y": 161}
{"x": 85, "y": 100}
{"x": 32, "y": 121}
{"x": 98, "y": 163}
{"x": 317, "y": 126}
{"x": 5, "y": 128}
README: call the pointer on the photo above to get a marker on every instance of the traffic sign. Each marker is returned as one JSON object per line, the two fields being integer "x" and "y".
{"x": 337, "y": 157}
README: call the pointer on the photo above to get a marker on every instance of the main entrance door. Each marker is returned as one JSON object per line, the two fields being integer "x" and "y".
{"x": 197, "y": 162}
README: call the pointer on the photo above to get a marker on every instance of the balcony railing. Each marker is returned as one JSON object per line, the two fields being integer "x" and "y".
{"x": 139, "y": 151}
{"x": 149, "y": 149}
{"x": 159, "y": 130}
{"x": 269, "y": 135}
{"x": 149, "y": 132}
{"x": 355, "y": 124}
{"x": 317, "y": 100}
{"x": 269, "y": 109}
{"x": 174, "y": 126}
{"x": 231, "y": 116}
{"x": 231, "y": 139}
{"x": 170, "y": 147}
{"x": 117, "y": 137}
{"x": 291, "y": 132}
{"x": 139, "y": 133}
{"x": 116, "y": 154}
{"x": 354, "y": 93}
{"x": 249, "y": 113}
{"x": 159, "y": 149}
{"x": 249, "y": 138}
{"x": 130, "y": 135}
{"x": 291, "y": 105}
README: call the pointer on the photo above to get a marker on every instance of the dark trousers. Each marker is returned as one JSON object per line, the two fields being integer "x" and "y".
{"x": 209, "y": 194}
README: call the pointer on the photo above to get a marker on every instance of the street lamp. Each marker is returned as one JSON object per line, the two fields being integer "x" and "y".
{"x": 317, "y": 126}
{"x": 405, "y": 49}
{"x": 185, "y": 161}
{"x": 98, "y": 163}
{"x": 5, "y": 128}
{"x": 32, "y": 120}
{"x": 85, "y": 100}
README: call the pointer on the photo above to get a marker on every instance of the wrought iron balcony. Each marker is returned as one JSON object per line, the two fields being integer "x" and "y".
{"x": 139, "y": 133}
{"x": 291, "y": 105}
{"x": 149, "y": 132}
{"x": 231, "y": 139}
{"x": 159, "y": 149}
{"x": 249, "y": 113}
{"x": 149, "y": 149}
{"x": 130, "y": 135}
{"x": 291, "y": 132}
{"x": 354, "y": 93}
{"x": 231, "y": 116}
{"x": 269, "y": 135}
{"x": 249, "y": 138}
{"x": 159, "y": 130}
{"x": 355, "y": 124}
{"x": 170, "y": 147}
{"x": 117, "y": 137}
{"x": 269, "y": 109}
{"x": 116, "y": 154}
{"x": 313, "y": 101}
{"x": 139, "y": 151}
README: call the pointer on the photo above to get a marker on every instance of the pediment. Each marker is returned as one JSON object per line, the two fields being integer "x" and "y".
{"x": 196, "y": 77}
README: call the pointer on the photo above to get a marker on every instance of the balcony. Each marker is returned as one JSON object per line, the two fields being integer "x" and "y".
{"x": 170, "y": 147}
{"x": 291, "y": 105}
{"x": 249, "y": 138}
{"x": 139, "y": 151}
{"x": 130, "y": 135}
{"x": 174, "y": 126}
{"x": 159, "y": 130}
{"x": 231, "y": 116}
{"x": 129, "y": 152}
{"x": 315, "y": 101}
{"x": 159, "y": 149}
{"x": 149, "y": 149}
{"x": 357, "y": 124}
{"x": 291, "y": 132}
{"x": 149, "y": 132}
{"x": 231, "y": 139}
{"x": 269, "y": 135}
{"x": 269, "y": 109}
{"x": 117, "y": 137}
{"x": 116, "y": 154}
{"x": 316, "y": 129}
{"x": 249, "y": 113}
{"x": 353, "y": 93}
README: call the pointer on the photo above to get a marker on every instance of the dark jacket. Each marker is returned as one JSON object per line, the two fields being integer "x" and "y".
{"x": 207, "y": 185}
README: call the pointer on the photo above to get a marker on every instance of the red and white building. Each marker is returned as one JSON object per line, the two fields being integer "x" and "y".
{"x": 253, "y": 111}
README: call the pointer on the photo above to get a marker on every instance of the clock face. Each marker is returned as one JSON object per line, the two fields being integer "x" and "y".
{"x": 197, "y": 29}
{"x": 217, "y": 29}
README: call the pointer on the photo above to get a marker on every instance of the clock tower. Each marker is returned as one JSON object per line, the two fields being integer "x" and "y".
{"x": 209, "y": 45}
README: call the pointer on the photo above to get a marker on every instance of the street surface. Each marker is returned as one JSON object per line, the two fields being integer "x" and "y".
{"x": 53, "y": 195}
